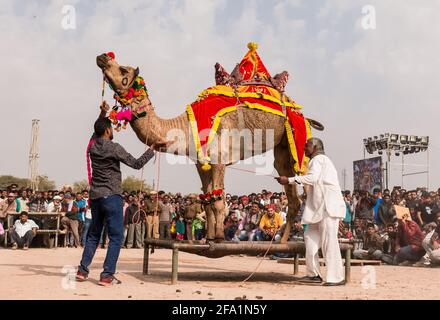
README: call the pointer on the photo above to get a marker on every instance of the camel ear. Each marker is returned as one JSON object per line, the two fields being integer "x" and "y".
{"x": 221, "y": 76}
{"x": 279, "y": 81}
{"x": 136, "y": 72}
{"x": 236, "y": 76}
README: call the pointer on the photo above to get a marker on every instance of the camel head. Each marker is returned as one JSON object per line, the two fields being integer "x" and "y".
{"x": 120, "y": 78}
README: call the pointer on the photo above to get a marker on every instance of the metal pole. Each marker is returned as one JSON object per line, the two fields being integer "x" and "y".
{"x": 296, "y": 264}
{"x": 174, "y": 266}
{"x": 146, "y": 258}
{"x": 347, "y": 265}
{"x": 58, "y": 231}
{"x": 403, "y": 166}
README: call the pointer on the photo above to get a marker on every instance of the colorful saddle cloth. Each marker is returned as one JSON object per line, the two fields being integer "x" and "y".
{"x": 242, "y": 88}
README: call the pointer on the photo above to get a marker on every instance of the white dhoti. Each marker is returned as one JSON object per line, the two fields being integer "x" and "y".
{"x": 324, "y": 235}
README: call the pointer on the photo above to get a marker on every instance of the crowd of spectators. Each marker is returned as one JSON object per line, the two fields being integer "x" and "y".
{"x": 371, "y": 222}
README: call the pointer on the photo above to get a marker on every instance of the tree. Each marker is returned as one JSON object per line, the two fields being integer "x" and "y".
{"x": 44, "y": 184}
{"x": 132, "y": 183}
{"x": 7, "y": 180}
{"x": 79, "y": 186}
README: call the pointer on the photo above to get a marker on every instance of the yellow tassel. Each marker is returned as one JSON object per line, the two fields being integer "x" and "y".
{"x": 252, "y": 46}
{"x": 206, "y": 166}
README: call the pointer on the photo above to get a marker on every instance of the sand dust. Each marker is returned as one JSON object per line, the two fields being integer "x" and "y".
{"x": 43, "y": 274}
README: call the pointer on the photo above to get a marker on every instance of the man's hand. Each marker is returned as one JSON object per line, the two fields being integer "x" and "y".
{"x": 435, "y": 245}
{"x": 282, "y": 180}
{"x": 104, "y": 107}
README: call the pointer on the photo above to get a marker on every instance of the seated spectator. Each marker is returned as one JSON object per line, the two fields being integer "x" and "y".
{"x": 373, "y": 245}
{"x": 389, "y": 236}
{"x": 23, "y": 231}
{"x": 408, "y": 242}
{"x": 231, "y": 226}
{"x": 297, "y": 230}
{"x": 431, "y": 243}
{"x": 249, "y": 224}
{"x": 270, "y": 223}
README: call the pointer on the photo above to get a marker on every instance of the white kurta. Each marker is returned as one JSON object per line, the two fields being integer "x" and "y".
{"x": 324, "y": 208}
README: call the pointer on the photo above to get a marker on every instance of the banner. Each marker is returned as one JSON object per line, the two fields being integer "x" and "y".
{"x": 367, "y": 174}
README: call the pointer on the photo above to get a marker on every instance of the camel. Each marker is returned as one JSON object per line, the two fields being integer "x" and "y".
{"x": 151, "y": 129}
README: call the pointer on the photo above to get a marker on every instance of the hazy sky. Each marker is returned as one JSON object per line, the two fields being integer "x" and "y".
{"x": 357, "y": 82}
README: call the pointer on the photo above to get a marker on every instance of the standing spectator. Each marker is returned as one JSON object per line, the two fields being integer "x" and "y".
{"x": 7, "y": 206}
{"x": 87, "y": 218}
{"x": 386, "y": 213}
{"x": 426, "y": 210}
{"x": 51, "y": 222}
{"x": 37, "y": 204}
{"x": 152, "y": 219}
{"x": 23, "y": 231}
{"x": 408, "y": 242}
{"x": 348, "y": 204}
{"x": 81, "y": 208}
{"x": 377, "y": 200}
{"x": 70, "y": 221}
{"x": 22, "y": 202}
{"x": 165, "y": 216}
{"x": 191, "y": 211}
{"x": 133, "y": 220}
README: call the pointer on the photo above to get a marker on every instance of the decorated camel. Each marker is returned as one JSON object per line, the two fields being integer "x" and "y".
{"x": 247, "y": 100}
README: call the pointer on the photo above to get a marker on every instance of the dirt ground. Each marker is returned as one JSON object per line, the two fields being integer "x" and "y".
{"x": 44, "y": 274}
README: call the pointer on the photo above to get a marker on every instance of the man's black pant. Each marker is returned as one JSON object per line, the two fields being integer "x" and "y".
{"x": 22, "y": 241}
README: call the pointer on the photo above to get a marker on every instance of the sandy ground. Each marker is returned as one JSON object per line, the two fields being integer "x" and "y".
{"x": 43, "y": 274}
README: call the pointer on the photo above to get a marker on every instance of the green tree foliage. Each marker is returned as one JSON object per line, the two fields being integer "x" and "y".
{"x": 132, "y": 183}
{"x": 44, "y": 183}
{"x": 81, "y": 185}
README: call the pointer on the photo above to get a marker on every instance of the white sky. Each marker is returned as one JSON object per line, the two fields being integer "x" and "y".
{"x": 357, "y": 82}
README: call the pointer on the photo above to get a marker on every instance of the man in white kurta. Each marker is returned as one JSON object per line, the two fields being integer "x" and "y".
{"x": 323, "y": 211}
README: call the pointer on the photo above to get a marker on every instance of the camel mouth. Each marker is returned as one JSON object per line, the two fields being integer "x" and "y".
{"x": 102, "y": 61}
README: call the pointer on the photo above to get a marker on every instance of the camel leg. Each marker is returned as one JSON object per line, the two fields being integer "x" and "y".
{"x": 206, "y": 178}
{"x": 219, "y": 207}
{"x": 284, "y": 164}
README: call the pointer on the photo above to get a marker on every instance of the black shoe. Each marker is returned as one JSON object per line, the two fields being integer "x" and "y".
{"x": 308, "y": 279}
{"x": 332, "y": 284}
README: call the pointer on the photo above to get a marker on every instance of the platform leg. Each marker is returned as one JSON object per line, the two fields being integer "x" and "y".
{"x": 174, "y": 267}
{"x": 347, "y": 265}
{"x": 296, "y": 264}
{"x": 146, "y": 259}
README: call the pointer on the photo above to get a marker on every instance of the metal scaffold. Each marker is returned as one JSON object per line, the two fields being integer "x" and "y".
{"x": 33, "y": 155}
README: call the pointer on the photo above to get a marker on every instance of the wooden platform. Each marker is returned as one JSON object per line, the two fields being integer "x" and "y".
{"x": 225, "y": 248}
{"x": 353, "y": 262}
